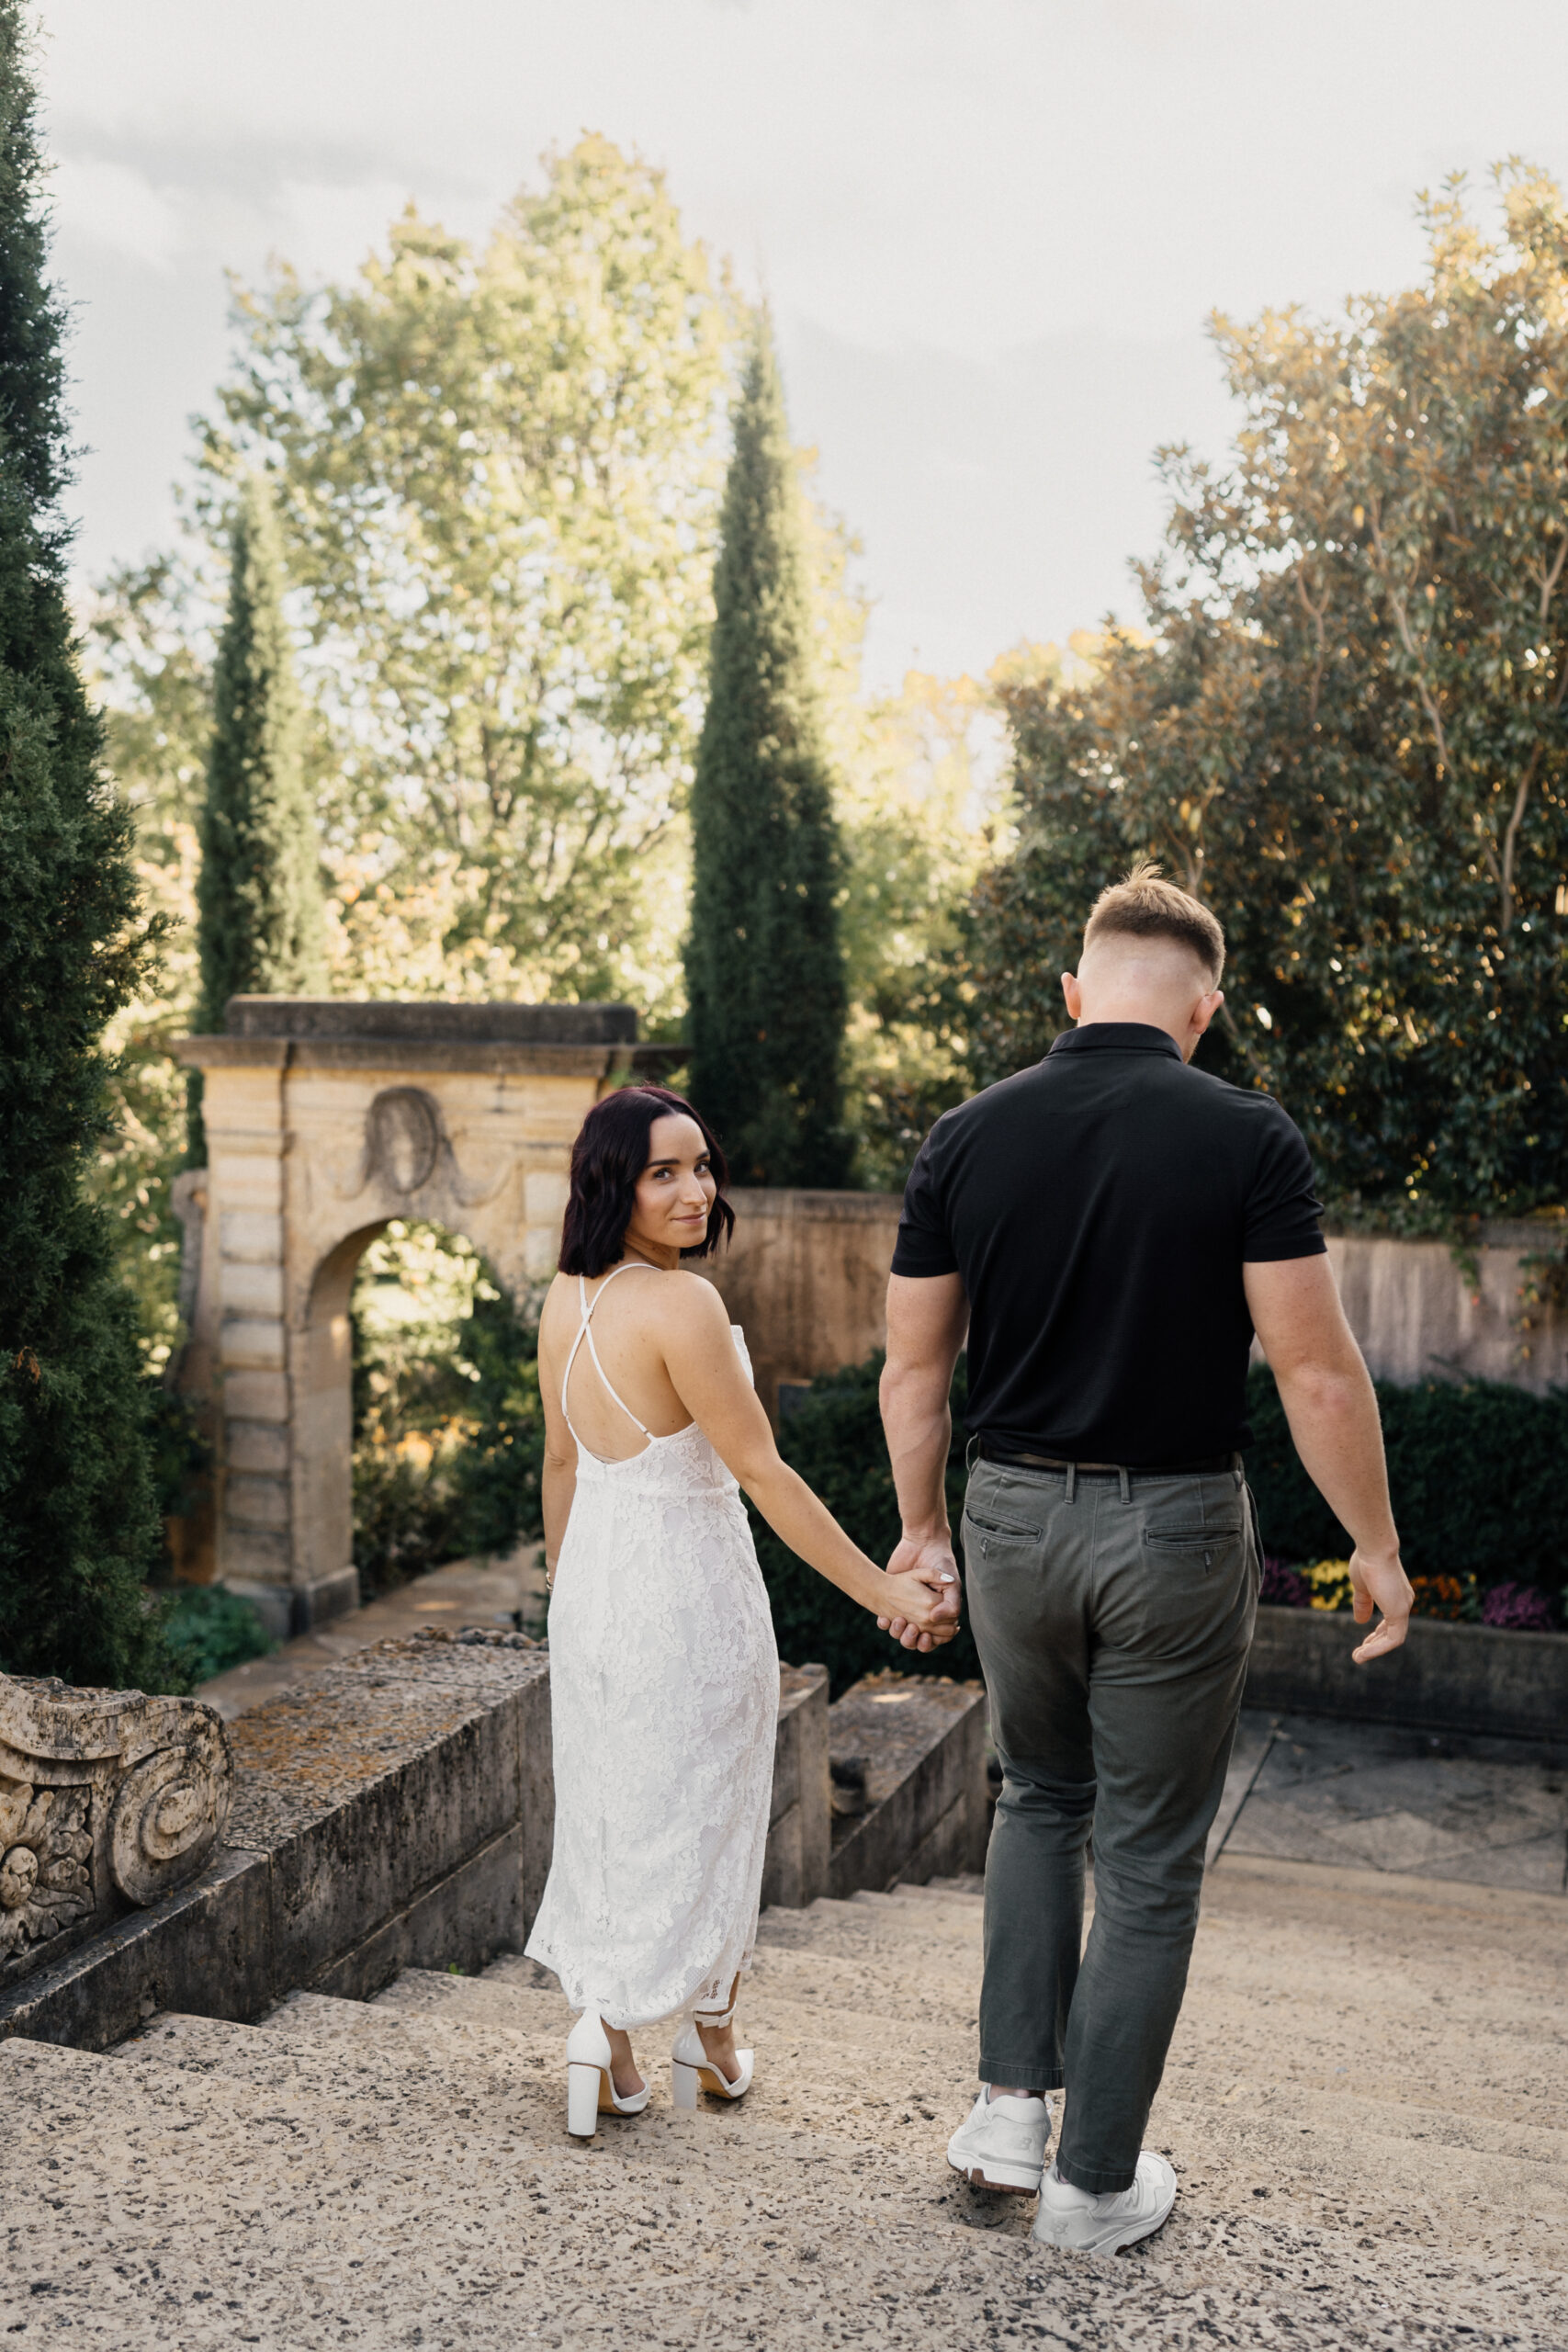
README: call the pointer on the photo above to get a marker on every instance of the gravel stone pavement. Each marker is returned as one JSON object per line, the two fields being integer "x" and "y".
{"x": 1367, "y": 2105}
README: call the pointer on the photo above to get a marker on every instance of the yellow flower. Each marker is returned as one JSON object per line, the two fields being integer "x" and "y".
{"x": 1328, "y": 1583}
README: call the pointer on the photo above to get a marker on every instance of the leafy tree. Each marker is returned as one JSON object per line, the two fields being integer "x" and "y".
{"x": 151, "y": 669}
{"x": 260, "y": 892}
{"x": 918, "y": 788}
{"x": 78, "y": 1528}
{"x": 764, "y": 964}
{"x": 497, "y": 474}
{"x": 1349, "y": 733}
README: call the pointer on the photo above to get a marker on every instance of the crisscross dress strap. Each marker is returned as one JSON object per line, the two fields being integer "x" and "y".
{"x": 585, "y": 1331}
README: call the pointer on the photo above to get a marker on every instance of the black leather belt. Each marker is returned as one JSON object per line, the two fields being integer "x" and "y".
{"x": 1213, "y": 1464}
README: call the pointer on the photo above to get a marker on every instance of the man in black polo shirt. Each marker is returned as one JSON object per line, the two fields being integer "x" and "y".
{"x": 1111, "y": 1227}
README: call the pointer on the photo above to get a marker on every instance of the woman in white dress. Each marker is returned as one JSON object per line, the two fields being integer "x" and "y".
{"x": 663, "y": 1671}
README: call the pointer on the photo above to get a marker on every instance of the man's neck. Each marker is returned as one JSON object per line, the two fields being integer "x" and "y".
{"x": 1141, "y": 1017}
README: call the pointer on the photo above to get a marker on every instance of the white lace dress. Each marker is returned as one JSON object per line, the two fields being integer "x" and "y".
{"x": 664, "y": 1697}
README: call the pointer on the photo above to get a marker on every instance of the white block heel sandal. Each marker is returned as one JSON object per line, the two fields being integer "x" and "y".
{"x": 589, "y": 2087}
{"x": 694, "y": 2071}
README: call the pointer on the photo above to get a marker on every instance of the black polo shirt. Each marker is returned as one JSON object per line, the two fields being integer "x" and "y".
{"x": 1100, "y": 1207}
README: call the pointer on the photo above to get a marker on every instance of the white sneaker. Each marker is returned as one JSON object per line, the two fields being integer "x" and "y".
{"x": 1083, "y": 2223}
{"x": 1002, "y": 2145}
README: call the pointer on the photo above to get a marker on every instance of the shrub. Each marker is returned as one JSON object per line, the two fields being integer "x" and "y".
{"x": 1473, "y": 1467}
{"x": 207, "y": 1629}
{"x": 1475, "y": 1470}
{"x": 180, "y": 1456}
{"x": 834, "y": 1440}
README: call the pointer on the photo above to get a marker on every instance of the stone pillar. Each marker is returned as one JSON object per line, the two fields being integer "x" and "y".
{"x": 325, "y": 1120}
{"x": 242, "y": 1109}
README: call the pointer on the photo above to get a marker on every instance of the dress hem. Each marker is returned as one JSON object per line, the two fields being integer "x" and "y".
{"x": 627, "y": 2021}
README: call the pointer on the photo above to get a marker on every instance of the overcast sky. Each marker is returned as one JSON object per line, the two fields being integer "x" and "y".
{"x": 991, "y": 230}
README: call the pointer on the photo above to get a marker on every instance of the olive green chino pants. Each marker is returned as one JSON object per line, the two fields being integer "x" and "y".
{"x": 1113, "y": 1613}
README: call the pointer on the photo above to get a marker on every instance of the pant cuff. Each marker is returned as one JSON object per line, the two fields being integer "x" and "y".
{"x": 1085, "y": 2177}
{"x": 1034, "y": 2079}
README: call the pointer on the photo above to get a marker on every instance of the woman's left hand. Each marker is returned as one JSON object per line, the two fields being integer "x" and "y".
{"x": 922, "y": 1602}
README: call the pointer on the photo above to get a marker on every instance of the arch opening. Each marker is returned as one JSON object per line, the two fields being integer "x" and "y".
{"x": 445, "y": 1428}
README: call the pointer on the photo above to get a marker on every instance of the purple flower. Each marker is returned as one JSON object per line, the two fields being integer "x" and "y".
{"x": 1518, "y": 1609}
{"x": 1281, "y": 1587}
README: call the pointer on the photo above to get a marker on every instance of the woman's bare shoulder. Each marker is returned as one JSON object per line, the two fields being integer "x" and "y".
{"x": 560, "y": 1307}
{"x": 682, "y": 1300}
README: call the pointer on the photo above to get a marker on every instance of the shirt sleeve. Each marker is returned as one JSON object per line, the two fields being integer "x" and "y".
{"x": 1284, "y": 1215}
{"x": 924, "y": 1245}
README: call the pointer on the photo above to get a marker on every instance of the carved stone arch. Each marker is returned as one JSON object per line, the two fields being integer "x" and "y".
{"x": 324, "y": 1121}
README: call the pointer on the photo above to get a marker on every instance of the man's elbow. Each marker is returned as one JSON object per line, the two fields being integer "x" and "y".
{"x": 1322, "y": 1383}
{"x": 911, "y": 1386}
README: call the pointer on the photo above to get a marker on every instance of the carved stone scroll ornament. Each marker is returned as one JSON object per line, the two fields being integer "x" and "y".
{"x": 107, "y": 1799}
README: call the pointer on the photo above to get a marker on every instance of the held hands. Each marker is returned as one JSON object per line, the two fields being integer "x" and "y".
{"x": 922, "y": 1594}
{"x": 1379, "y": 1582}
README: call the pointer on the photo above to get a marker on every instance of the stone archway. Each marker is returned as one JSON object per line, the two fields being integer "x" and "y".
{"x": 325, "y": 1120}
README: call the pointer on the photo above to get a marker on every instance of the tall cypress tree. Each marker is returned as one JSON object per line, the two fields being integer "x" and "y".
{"x": 78, "y": 1525}
{"x": 764, "y": 968}
{"x": 260, "y": 895}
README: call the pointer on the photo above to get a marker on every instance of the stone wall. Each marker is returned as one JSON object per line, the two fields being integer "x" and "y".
{"x": 1417, "y": 1312}
{"x": 806, "y": 1274}
{"x": 1470, "y": 1679}
{"x": 807, "y": 1277}
{"x": 397, "y": 1811}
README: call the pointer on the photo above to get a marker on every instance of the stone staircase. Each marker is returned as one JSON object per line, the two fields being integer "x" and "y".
{"x": 1365, "y": 2105}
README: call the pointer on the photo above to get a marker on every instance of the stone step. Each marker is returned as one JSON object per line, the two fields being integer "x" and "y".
{"x": 943, "y": 1891}
{"x": 825, "y": 2074}
{"x": 440, "y": 2068}
{"x": 434, "y": 2079}
{"x": 1327, "y": 2152}
{"x": 819, "y": 2065}
{"x": 828, "y": 2065}
{"x": 205, "y": 2213}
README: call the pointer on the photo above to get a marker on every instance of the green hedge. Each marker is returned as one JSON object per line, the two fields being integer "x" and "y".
{"x": 208, "y": 1629}
{"x": 834, "y": 1440}
{"x": 1476, "y": 1469}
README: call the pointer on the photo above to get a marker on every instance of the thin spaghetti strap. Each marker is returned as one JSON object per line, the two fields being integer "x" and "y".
{"x": 585, "y": 1331}
{"x": 566, "y": 1376}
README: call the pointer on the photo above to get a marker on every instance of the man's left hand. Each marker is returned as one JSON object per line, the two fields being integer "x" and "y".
{"x": 929, "y": 1558}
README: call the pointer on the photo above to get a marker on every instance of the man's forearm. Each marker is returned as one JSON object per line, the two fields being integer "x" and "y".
{"x": 918, "y": 1426}
{"x": 1333, "y": 1415}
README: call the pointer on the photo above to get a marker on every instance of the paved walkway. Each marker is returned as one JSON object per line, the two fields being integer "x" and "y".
{"x": 508, "y": 1591}
{"x": 1367, "y": 1796}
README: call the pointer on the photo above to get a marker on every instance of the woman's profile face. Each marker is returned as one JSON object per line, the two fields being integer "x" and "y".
{"x": 676, "y": 1190}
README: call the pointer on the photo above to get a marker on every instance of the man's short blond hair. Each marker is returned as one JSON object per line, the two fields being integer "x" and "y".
{"x": 1146, "y": 906}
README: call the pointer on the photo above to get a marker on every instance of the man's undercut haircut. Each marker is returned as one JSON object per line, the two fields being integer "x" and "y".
{"x": 608, "y": 1159}
{"x": 1146, "y": 906}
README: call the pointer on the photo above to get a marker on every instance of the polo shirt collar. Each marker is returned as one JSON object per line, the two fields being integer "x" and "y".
{"x": 1117, "y": 1037}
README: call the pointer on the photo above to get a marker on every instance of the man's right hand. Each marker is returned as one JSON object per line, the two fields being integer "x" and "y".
{"x": 930, "y": 1559}
{"x": 1379, "y": 1582}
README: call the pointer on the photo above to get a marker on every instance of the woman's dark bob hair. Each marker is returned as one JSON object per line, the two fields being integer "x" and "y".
{"x": 607, "y": 1158}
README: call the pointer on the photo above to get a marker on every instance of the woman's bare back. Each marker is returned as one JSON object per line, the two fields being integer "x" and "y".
{"x": 627, "y": 1327}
